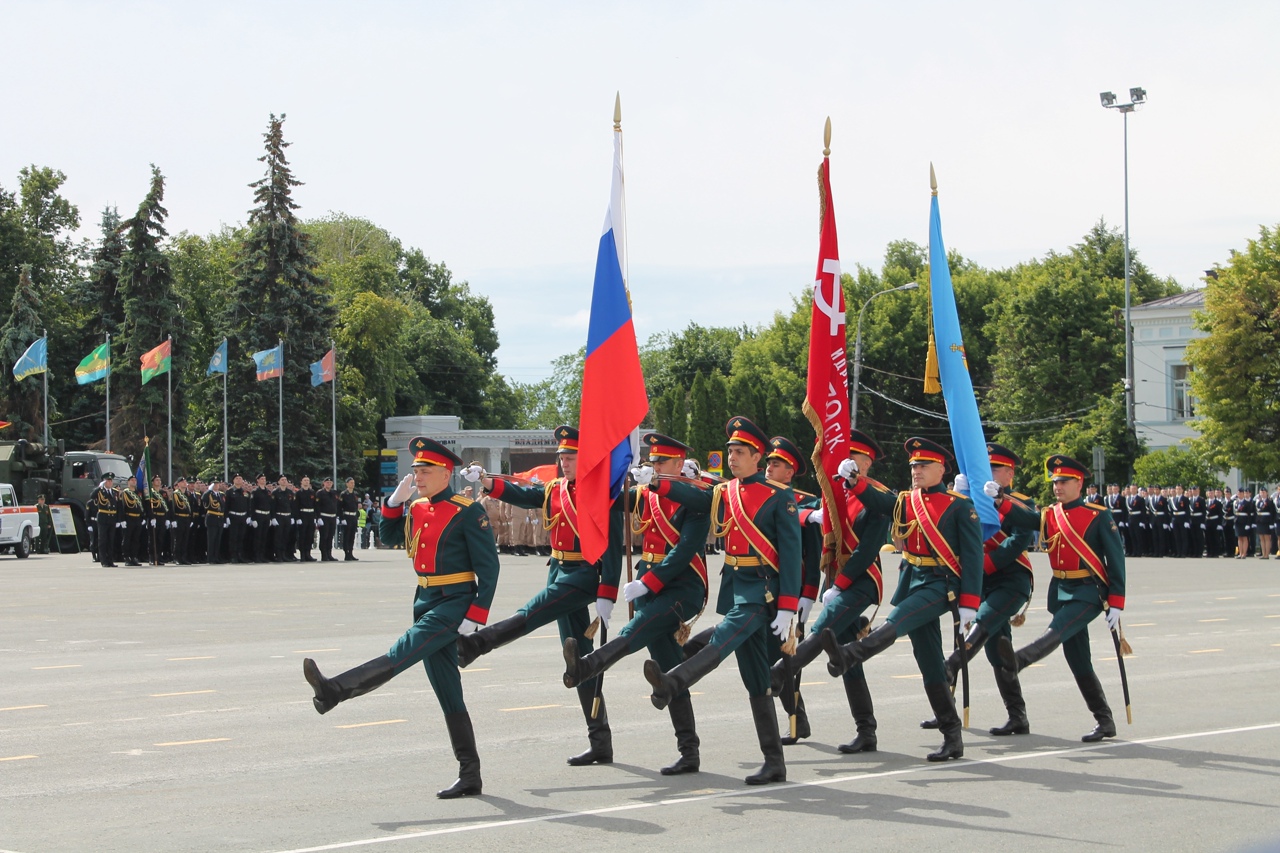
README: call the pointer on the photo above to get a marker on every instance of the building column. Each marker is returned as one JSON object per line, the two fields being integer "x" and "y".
{"x": 495, "y": 460}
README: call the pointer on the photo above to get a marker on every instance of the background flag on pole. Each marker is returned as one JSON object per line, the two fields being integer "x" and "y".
{"x": 325, "y": 369}
{"x": 96, "y": 365}
{"x": 826, "y": 398}
{"x": 34, "y": 360}
{"x": 218, "y": 363}
{"x": 614, "y": 401}
{"x": 156, "y": 361}
{"x": 144, "y": 467}
{"x": 967, "y": 438}
{"x": 4, "y": 424}
{"x": 270, "y": 363}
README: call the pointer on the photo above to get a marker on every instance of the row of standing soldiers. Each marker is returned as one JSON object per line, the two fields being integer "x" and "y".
{"x": 1177, "y": 522}
{"x": 198, "y": 522}
{"x": 769, "y": 584}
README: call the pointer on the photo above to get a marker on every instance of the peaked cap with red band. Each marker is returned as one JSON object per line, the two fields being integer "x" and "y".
{"x": 1001, "y": 455}
{"x": 741, "y": 430}
{"x": 1060, "y": 467}
{"x": 568, "y": 438}
{"x": 923, "y": 450}
{"x": 427, "y": 451}
{"x": 860, "y": 442}
{"x": 664, "y": 446}
{"x": 781, "y": 447}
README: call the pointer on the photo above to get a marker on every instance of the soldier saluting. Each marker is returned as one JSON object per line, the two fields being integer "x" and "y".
{"x": 941, "y": 542}
{"x": 1087, "y": 556}
{"x": 448, "y": 538}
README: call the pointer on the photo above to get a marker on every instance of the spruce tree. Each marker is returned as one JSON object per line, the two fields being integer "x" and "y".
{"x": 21, "y": 401}
{"x": 277, "y": 295}
{"x": 151, "y": 315}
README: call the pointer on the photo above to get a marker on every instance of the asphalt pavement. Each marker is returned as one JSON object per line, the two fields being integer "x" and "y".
{"x": 164, "y": 709}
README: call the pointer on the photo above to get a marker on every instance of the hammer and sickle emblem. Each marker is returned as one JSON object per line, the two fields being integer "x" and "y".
{"x": 836, "y": 316}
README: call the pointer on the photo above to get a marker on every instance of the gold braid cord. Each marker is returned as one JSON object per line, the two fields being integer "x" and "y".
{"x": 548, "y": 520}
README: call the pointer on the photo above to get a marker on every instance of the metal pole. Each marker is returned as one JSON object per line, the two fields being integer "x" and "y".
{"x": 1128, "y": 327}
{"x": 168, "y": 448}
{"x": 226, "y": 368}
{"x": 334, "y": 391}
{"x": 857, "y": 369}
{"x": 108, "y": 392}
{"x": 45, "y": 334}
{"x": 281, "y": 340}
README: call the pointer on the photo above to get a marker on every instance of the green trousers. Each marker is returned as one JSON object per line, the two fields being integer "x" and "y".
{"x": 658, "y": 617}
{"x": 570, "y": 590}
{"x": 842, "y": 615}
{"x": 744, "y": 631}
{"x": 917, "y": 615}
{"x": 1071, "y": 619}
{"x": 1004, "y": 594}
{"x": 433, "y": 639}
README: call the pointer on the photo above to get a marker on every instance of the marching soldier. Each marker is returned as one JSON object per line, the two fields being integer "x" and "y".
{"x": 941, "y": 542}
{"x": 260, "y": 521}
{"x": 305, "y": 519}
{"x": 857, "y": 585}
{"x": 103, "y": 521}
{"x": 132, "y": 511}
{"x": 282, "y": 500}
{"x": 215, "y": 520}
{"x": 669, "y": 592}
{"x": 348, "y": 516}
{"x": 760, "y": 523}
{"x": 182, "y": 522}
{"x": 449, "y": 540}
{"x": 572, "y": 584}
{"x": 1006, "y": 587}
{"x": 327, "y": 509}
{"x": 1087, "y": 557}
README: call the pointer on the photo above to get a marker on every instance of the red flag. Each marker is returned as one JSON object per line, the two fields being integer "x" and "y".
{"x": 826, "y": 399}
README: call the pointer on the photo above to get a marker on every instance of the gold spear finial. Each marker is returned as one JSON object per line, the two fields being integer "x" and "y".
{"x": 617, "y": 112}
{"x": 826, "y": 139}
{"x": 933, "y": 180}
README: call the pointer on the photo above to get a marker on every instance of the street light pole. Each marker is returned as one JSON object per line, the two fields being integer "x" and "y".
{"x": 1137, "y": 95}
{"x": 857, "y": 352}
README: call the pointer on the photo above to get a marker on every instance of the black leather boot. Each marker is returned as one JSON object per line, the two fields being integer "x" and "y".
{"x": 972, "y": 642}
{"x": 578, "y": 669}
{"x": 802, "y": 722}
{"x": 944, "y": 709}
{"x": 681, "y": 709}
{"x": 766, "y": 720}
{"x": 472, "y": 646}
{"x": 1011, "y": 693}
{"x": 352, "y": 683}
{"x": 841, "y": 657}
{"x": 668, "y": 684}
{"x": 863, "y": 717}
{"x": 697, "y": 642}
{"x": 599, "y": 738}
{"x": 1033, "y": 651}
{"x": 1091, "y": 690}
{"x": 463, "y": 738}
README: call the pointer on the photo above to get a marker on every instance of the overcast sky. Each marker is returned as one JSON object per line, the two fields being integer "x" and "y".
{"x": 480, "y": 132}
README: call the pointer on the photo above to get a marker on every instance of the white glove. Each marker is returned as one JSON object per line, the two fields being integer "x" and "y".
{"x": 604, "y": 609}
{"x": 319, "y": 524}
{"x": 226, "y": 522}
{"x": 402, "y": 492}
{"x": 781, "y": 626}
{"x": 468, "y": 627}
{"x": 967, "y": 615}
{"x": 153, "y": 524}
{"x": 962, "y": 483}
{"x": 472, "y": 473}
{"x": 991, "y": 489}
{"x": 848, "y": 469}
{"x": 275, "y": 523}
{"x": 173, "y": 525}
{"x": 634, "y": 590}
{"x": 806, "y": 604}
{"x": 642, "y": 475}
{"x": 829, "y": 596}
{"x": 690, "y": 469}
{"x": 816, "y": 517}
{"x": 1113, "y": 618}
{"x": 122, "y": 524}
{"x": 253, "y": 522}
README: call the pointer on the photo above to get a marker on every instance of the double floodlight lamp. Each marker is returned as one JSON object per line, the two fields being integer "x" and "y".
{"x": 1137, "y": 95}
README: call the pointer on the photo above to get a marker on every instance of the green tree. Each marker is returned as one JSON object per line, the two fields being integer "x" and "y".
{"x": 151, "y": 314}
{"x": 37, "y": 227}
{"x": 277, "y": 295}
{"x": 1174, "y": 466}
{"x": 22, "y": 401}
{"x": 1236, "y": 369}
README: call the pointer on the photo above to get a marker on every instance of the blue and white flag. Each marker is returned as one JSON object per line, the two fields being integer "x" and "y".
{"x": 218, "y": 364}
{"x": 34, "y": 360}
{"x": 967, "y": 439}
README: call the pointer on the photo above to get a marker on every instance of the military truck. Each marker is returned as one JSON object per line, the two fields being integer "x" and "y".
{"x": 63, "y": 477}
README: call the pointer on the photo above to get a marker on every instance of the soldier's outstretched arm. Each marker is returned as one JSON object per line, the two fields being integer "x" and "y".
{"x": 969, "y": 548}
{"x": 526, "y": 497}
{"x": 698, "y": 500}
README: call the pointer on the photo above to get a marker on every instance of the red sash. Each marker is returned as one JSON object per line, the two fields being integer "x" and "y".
{"x": 1076, "y": 541}
{"x": 568, "y": 510}
{"x": 995, "y": 541}
{"x": 430, "y": 522}
{"x": 853, "y": 506}
{"x": 663, "y": 525}
{"x": 929, "y": 530}
{"x": 738, "y": 515}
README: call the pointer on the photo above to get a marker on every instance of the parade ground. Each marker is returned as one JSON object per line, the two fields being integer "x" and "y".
{"x": 164, "y": 709}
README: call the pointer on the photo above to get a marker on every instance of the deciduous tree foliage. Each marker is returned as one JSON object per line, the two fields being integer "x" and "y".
{"x": 21, "y": 402}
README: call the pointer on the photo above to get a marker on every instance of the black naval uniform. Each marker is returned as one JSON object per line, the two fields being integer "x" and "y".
{"x": 1118, "y": 504}
{"x": 1161, "y": 516}
{"x": 133, "y": 512}
{"x": 158, "y": 520}
{"x": 282, "y": 501}
{"x": 327, "y": 507}
{"x": 304, "y": 509}
{"x": 348, "y": 522}
{"x": 182, "y": 527}
{"x": 215, "y": 522}
{"x": 1181, "y": 525}
{"x": 1137, "y": 544}
{"x": 103, "y": 518}
{"x": 238, "y": 511}
{"x": 1199, "y": 515}
{"x": 261, "y": 500}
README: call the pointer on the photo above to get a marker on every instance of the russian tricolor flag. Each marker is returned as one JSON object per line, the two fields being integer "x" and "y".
{"x": 614, "y": 401}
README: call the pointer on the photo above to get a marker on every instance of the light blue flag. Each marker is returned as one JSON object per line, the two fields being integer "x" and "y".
{"x": 218, "y": 364}
{"x": 34, "y": 360}
{"x": 967, "y": 439}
